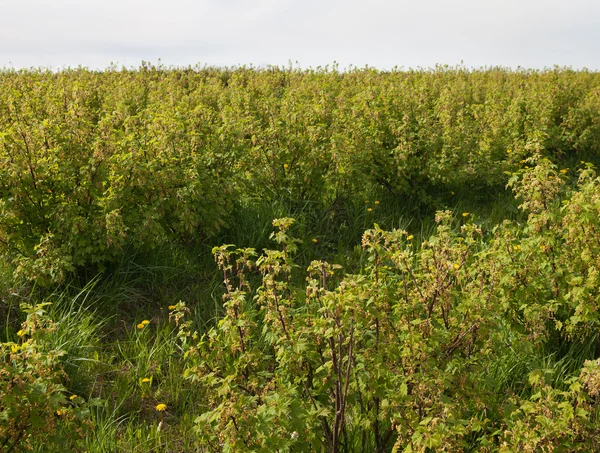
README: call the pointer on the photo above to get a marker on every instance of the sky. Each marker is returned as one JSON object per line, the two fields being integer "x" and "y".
{"x": 304, "y": 33}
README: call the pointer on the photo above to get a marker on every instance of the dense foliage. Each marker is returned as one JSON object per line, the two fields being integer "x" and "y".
{"x": 90, "y": 161}
{"x": 34, "y": 407}
{"x": 478, "y": 334}
{"x": 405, "y": 354}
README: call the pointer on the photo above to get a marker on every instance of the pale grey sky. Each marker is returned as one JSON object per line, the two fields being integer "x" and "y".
{"x": 379, "y": 33}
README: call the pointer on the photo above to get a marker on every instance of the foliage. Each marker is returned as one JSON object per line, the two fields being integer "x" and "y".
{"x": 91, "y": 162}
{"x": 472, "y": 330}
{"x": 33, "y": 400}
{"x": 399, "y": 355}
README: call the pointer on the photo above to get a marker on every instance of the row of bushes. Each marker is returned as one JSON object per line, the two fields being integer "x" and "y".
{"x": 432, "y": 347}
{"x": 90, "y": 161}
{"x": 472, "y": 340}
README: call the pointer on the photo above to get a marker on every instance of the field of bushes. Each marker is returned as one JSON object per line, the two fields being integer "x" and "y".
{"x": 269, "y": 259}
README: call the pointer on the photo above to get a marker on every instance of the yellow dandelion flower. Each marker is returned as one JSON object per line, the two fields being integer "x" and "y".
{"x": 315, "y": 240}
{"x": 564, "y": 171}
{"x": 72, "y": 397}
{"x": 409, "y": 237}
{"x": 14, "y": 348}
{"x": 161, "y": 407}
{"x": 376, "y": 201}
{"x": 61, "y": 412}
{"x": 508, "y": 151}
{"x": 465, "y": 214}
{"x": 141, "y": 326}
{"x": 145, "y": 322}
{"x": 369, "y": 209}
{"x": 172, "y": 307}
{"x": 286, "y": 166}
{"x": 456, "y": 266}
{"x": 452, "y": 193}
{"x": 582, "y": 162}
{"x": 145, "y": 380}
{"x": 21, "y": 333}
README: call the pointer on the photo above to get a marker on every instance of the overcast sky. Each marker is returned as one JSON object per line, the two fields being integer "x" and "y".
{"x": 378, "y": 33}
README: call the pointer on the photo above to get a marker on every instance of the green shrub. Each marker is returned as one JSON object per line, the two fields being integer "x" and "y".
{"x": 399, "y": 356}
{"x": 35, "y": 412}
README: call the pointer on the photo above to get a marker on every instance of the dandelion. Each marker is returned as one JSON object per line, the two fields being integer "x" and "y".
{"x": 61, "y": 412}
{"x": 286, "y": 166}
{"x": 141, "y": 326}
{"x": 465, "y": 214}
{"x": 145, "y": 322}
{"x": 452, "y": 193}
{"x": 161, "y": 407}
{"x": 21, "y": 333}
{"x": 376, "y": 201}
{"x": 315, "y": 240}
{"x": 456, "y": 266}
{"x": 72, "y": 397}
{"x": 172, "y": 307}
{"x": 508, "y": 151}
{"x": 564, "y": 171}
{"x": 369, "y": 209}
{"x": 145, "y": 380}
{"x": 14, "y": 348}
{"x": 410, "y": 237}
